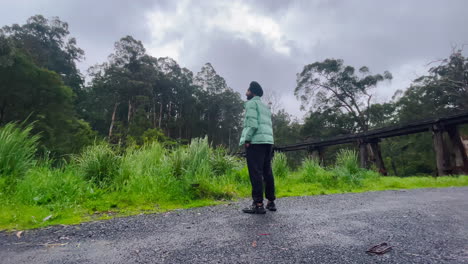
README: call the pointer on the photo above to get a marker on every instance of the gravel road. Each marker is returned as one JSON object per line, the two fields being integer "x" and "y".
{"x": 422, "y": 226}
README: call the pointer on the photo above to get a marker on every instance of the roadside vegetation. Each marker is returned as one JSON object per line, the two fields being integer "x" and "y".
{"x": 102, "y": 182}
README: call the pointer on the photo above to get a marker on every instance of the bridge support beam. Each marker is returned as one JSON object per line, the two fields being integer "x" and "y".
{"x": 441, "y": 150}
{"x": 316, "y": 154}
{"x": 458, "y": 151}
{"x": 363, "y": 153}
{"x": 377, "y": 156}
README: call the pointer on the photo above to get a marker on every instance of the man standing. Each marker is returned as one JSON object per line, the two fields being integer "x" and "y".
{"x": 257, "y": 137}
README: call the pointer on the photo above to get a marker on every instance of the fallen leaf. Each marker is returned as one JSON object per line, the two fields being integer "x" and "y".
{"x": 18, "y": 234}
{"x": 254, "y": 244}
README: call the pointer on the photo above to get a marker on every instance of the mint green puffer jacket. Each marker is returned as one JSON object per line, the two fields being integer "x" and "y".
{"x": 257, "y": 123}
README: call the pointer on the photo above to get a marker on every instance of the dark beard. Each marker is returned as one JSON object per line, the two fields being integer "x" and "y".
{"x": 249, "y": 97}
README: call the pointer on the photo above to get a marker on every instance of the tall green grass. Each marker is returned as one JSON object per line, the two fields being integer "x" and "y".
{"x": 17, "y": 150}
{"x": 101, "y": 182}
{"x": 99, "y": 164}
{"x": 52, "y": 188}
{"x": 280, "y": 165}
{"x": 347, "y": 170}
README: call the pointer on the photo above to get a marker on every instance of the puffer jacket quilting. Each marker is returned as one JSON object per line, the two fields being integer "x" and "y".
{"x": 257, "y": 123}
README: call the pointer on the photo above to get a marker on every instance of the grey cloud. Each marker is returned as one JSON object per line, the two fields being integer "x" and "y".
{"x": 241, "y": 62}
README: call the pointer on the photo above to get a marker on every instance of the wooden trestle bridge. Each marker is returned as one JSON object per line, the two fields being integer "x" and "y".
{"x": 451, "y": 154}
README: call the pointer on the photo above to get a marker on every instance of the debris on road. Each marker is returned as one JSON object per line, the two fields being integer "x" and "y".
{"x": 52, "y": 245}
{"x": 379, "y": 249}
{"x": 46, "y": 218}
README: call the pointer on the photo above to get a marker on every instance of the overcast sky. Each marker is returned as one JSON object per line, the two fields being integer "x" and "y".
{"x": 269, "y": 41}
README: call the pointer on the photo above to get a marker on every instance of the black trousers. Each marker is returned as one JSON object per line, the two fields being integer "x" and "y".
{"x": 259, "y": 163}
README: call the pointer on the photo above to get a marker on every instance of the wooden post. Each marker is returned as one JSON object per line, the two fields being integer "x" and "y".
{"x": 316, "y": 154}
{"x": 459, "y": 151}
{"x": 378, "y": 156}
{"x": 363, "y": 153}
{"x": 442, "y": 155}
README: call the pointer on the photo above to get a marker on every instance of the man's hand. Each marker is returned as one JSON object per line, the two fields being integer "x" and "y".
{"x": 247, "y": 145}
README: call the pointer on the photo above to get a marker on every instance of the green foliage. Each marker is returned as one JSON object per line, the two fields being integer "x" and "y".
{"x": 280, "y": 165}
{"x": 440, "y": 93}
{"x": 99, "y": 164}
{"x": 52, "y": 188}
{"x": 49, "y": 45}
{"x": 17, "y": 150}
{"x": 222, "y": 163}
{"x": 334, "y": 86}
{"x": 155, "y": 178}
{"x": 38, "y": 95}
{"x": 312, "y": 172}
{"x": 198, "y": 162}
{"x": 154, "y": 134}
{"x": 409, "y": 155}
{"x": 347, "y": 168}
{"x": 148, "y": 95}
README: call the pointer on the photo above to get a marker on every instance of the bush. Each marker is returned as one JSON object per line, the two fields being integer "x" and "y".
{"x": 280, "y": 165}
{"x": 312, "y": 172}
{"x": 222, "y": 163}
{"x": 17, "y": 150}
{"x": 99, "y": 164}
{"x": 347, "y": 169}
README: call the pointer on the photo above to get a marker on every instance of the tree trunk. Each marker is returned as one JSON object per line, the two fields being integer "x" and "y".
{"x": 113, "y": 120}
{"x": 160, "y": 114}
{"x": 2, "y": 112}
{"x": 169, "y": 120}
{"x": 154, "y": 113}
{"x": 129, "y": 111}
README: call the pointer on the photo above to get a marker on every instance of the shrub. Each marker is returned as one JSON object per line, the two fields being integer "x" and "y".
{"x": 280, "y": 165}
{"x": 347, "y": 169}
{"x": 99, "y": 164}
{"x": 222, "y": 163}
{"x": 312, "y": 172}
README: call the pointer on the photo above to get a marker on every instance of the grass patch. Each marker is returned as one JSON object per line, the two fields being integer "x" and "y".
{"x": 101, "y": 183}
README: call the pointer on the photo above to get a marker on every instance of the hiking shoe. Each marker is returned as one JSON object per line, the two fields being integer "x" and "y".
{"x": 254, "y": 209}
{"x": 271, "y": 206}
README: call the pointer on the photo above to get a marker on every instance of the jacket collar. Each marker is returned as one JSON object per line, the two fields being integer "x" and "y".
{"x": 255, "y": 98}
